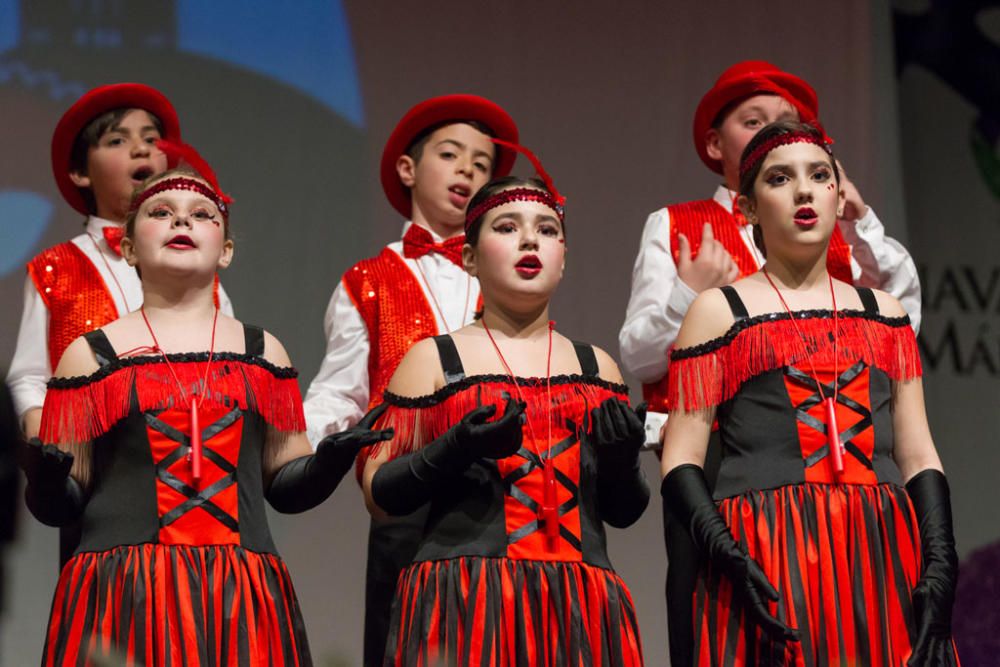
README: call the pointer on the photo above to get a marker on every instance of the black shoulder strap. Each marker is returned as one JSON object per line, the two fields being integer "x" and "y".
{"x": 451, "y": 363}
{"x": 735, "y": 302}
{"x": 253, "y": 339}
{"x": 588, "y": 360}
{"x": 101, "y": 347}
{"x": 868, "y": 300}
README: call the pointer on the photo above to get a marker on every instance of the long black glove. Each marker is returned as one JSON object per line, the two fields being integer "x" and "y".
{"x": 52, "y": 495}
{"x": 934, "y": 594}
{"x": 402, "y": 485}
{"x": 619, "y": 433}
{"x": 686, "y": 492}
{"x": 307, "y": 481}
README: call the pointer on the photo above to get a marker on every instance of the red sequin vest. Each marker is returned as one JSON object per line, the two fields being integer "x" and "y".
{"x": 395, "y": 311}
{"x": 75, "y": 294}
{"x": 689, "y": 219}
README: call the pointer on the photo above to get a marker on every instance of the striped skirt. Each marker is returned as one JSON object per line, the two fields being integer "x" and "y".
{"x": 499, "y": 612}
{"x": 844, "y": 560}
{"x": 154, "y": 604}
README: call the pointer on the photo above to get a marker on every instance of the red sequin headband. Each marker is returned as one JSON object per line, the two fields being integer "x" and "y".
{"x": 761, "y": 151}
{"x": 550, "y": 196}
{"x": 180, "y": 183}
{"x": 186, "y": 153}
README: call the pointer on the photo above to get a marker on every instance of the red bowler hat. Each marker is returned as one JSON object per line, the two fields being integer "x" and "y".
{"x": 90, "y": 106}
{"x": 436, "y": 111}
{"x": 742, "y": 80}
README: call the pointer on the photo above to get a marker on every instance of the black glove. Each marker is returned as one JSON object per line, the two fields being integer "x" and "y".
{"x": 934, "y": 594}
{"x": 307, "y": 481}
{"x": 55, "y": 498}
{"x": 686, "y": 493}
{"x": 619, "y": 434}
{"x": 404, "y": 484}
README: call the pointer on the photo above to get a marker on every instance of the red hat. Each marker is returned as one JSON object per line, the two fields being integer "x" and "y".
{"x": 436, "y": 111}
{"x": 93, "y": 104}
{"x": 742, "y": 80}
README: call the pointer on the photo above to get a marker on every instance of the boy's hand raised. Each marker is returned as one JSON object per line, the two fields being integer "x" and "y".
{"x": 713, "y": 267}
{"x": 854, "y": 204}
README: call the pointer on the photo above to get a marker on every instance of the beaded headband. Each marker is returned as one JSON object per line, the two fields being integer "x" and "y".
{"x": 180, "y": 183}
{"x": 549, "y": 197}
{"x": 186, "y": 153}
{"x": 513, "y": 194}
{"x": 761, "y": 151}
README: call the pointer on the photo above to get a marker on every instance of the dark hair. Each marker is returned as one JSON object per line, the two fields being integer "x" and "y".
{"x": 767, "y": 133}
{"x": 156, "y": 178}
{"x": 490, "y": 189}
{"x": 91, "y": 135}
{"x": 416, "y": 148}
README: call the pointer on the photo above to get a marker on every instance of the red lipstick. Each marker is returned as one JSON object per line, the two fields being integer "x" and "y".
{"x": 181, "y": 242}
{"x": 806, "y": 217}
{"x": 528, "y": 266}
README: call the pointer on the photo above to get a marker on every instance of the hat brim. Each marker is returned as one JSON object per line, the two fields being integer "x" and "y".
{"x": 436, "y": 111}
{"x": 93, "y": 104}
{"x": 719, "y": 97}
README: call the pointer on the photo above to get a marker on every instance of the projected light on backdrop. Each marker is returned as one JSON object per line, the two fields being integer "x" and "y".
{"x": 52, "y": 51}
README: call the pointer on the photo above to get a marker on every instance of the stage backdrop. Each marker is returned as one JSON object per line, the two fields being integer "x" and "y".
{"x": 292, "y": 103}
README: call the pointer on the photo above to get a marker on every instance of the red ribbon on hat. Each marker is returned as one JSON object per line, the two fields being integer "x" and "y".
{"x": 418, "y": 242}
{"x": 113, "y": 235}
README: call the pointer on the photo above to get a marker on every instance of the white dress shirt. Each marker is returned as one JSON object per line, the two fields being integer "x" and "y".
{"x": 31, "y": 369}
{"x": 660, "y": 299}
{"x": 339, "y": 394}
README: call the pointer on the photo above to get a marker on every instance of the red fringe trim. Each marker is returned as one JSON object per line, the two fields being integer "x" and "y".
{"x": 80, "y": 414}
{"x": 706, "y": 380}
{"x": 417, "y": 426}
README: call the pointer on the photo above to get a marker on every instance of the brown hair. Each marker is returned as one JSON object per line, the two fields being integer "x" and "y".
{"x": 177, "y": 171}
{"x": 474, "y": 227}
{"x": 416, "y": 148}
{"x": 91, "y": 135}
{"x": 749, "y": 177}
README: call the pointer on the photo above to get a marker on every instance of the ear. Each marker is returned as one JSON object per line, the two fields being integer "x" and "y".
{"x": 469, "y": 260}
{"x": 128, "y": 251}
{"x": 227, "y": 254}
{"x": 406, "y": 168}
{"x": 79, "y": 179}
{"x": 841, "y": 202}
{"x": 748, "y": 207}
{"x": 713, "y": 144}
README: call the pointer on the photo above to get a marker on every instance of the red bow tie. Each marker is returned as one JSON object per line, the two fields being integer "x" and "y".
{"x": 417, "y": 242}
{"x": 114, "y": 234}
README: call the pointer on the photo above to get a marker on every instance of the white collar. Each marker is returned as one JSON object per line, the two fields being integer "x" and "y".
{"x": 725, "y": 197}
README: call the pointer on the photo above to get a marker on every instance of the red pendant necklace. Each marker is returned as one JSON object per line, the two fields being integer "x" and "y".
{"x": 195, "y": 455}
{"x": 548, "y": 511}
{"x": 829, "y": 402}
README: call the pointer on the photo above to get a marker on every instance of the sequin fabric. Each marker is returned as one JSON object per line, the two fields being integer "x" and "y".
{"x": 75, "y": 294}
{"x": 395, "y": 311}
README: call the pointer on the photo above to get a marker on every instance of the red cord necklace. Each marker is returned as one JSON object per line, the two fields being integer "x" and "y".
{"x": 195, "y": 455}
{"x": 829, "y": 402}
{"x": 548, "y": 511}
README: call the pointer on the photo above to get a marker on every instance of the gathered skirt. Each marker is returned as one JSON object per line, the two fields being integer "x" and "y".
{"x": 500, "y": 612}
{"x": 154, "y": 604}
{"x": 844, "y": 558}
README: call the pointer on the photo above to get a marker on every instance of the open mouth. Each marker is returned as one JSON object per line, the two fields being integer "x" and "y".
{"x": 806, "y": 217}
{"x": 528, "y": 266}
{"x": 459, "y": 195}
{"x": 142, "y": 173}
{"x": 181, "y": 242}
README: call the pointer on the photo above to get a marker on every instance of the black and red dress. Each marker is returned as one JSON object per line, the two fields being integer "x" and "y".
{"x": 843, "y": 549}
{"x": 488, "y": 586}
{"x": 170, "y": 571}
